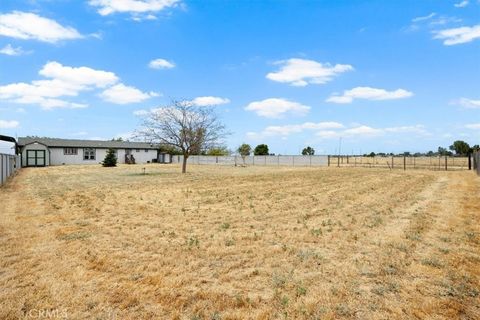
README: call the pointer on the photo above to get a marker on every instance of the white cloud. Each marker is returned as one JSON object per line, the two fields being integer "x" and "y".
{"x": 209, "y": 101}
{"x": 469, "y": 103}
{"x": 423, "y": 18}
{"x": 335, "y": 130}
{"x": 6, "y": 124}
{"x": 301, "y": 72}
{"x": 461, "y": 4}
{"x": 49, "y": 103}
{"x": 65, "y": 81}
{"x": 277, "y": 107}
{"x": 430, "y": 21}
{"x": 107, "y": 7}
{"x": 140, "y": 17}
{"x": 419, "y": 129}
{"x": 161, "y": 64}
{"x": 473, "y": 126}
{"x": 81, "y": 76}
{"x": 368, "y": 93}
{"x": 24, "y": 25}
{"x": 11, "y": 51}
{"x": 42, "y": 92}
{"x": 122, "y": 94}
{"x": 362, "y": 131}
{"x": 460, "y": 35}
{"x": 443, "y": 20}
{"x": 298, "y": 128}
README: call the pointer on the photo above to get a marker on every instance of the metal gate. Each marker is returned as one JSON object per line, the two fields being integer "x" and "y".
{"x": 36, "y": 158}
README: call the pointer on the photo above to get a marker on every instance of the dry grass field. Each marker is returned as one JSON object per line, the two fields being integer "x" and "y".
{"x": 85, "y": 242}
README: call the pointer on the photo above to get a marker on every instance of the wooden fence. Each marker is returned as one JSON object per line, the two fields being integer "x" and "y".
{"x": 9, "y": 164}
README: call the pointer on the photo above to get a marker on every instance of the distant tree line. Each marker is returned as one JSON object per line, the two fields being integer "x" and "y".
{"x": 458, "y": 148}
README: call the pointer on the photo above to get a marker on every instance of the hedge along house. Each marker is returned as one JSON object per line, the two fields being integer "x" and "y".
{"x": 40, "y": 152}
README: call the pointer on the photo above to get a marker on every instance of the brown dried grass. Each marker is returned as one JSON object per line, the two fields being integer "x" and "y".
{"x": 240, "y": 243}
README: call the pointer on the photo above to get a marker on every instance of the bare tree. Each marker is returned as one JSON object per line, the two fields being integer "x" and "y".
{"x": 183, "y": 125}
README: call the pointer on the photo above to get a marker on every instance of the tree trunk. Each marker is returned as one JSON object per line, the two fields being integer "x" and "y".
{"x": 184, "y": 164}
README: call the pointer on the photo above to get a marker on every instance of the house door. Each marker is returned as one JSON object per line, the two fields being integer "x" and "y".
{"x": 36, "y": 158}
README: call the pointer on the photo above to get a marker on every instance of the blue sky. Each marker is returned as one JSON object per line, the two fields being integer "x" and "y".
{"x": 385, "y": 76}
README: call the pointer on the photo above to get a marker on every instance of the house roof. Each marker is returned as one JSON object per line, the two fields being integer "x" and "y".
{"x": 76, "y": 143}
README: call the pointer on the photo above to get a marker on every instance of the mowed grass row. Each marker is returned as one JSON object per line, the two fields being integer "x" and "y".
{"x": 239, "y": 243}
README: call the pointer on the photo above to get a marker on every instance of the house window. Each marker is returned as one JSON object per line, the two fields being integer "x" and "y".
{"x": 70, "y": 151}
{"x": 89, "y": 154}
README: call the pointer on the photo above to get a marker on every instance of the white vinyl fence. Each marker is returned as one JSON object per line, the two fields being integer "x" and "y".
{"x": 8, "y": 165}
{"x": 296, "y": 161}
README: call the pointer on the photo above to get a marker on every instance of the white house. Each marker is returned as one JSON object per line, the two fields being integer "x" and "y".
{"x": 39, "y": 152}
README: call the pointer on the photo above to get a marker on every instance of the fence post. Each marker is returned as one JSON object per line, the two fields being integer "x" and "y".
{"x": 446, "y": 163}
{"x": 328, "y": 161}
{"x": 338, "y": 161}
{"x": 404, "y": 163}
{"x": 469, "y": 161}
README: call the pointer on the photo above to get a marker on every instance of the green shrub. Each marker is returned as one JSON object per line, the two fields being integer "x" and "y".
{"x": 110, "y": 159}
